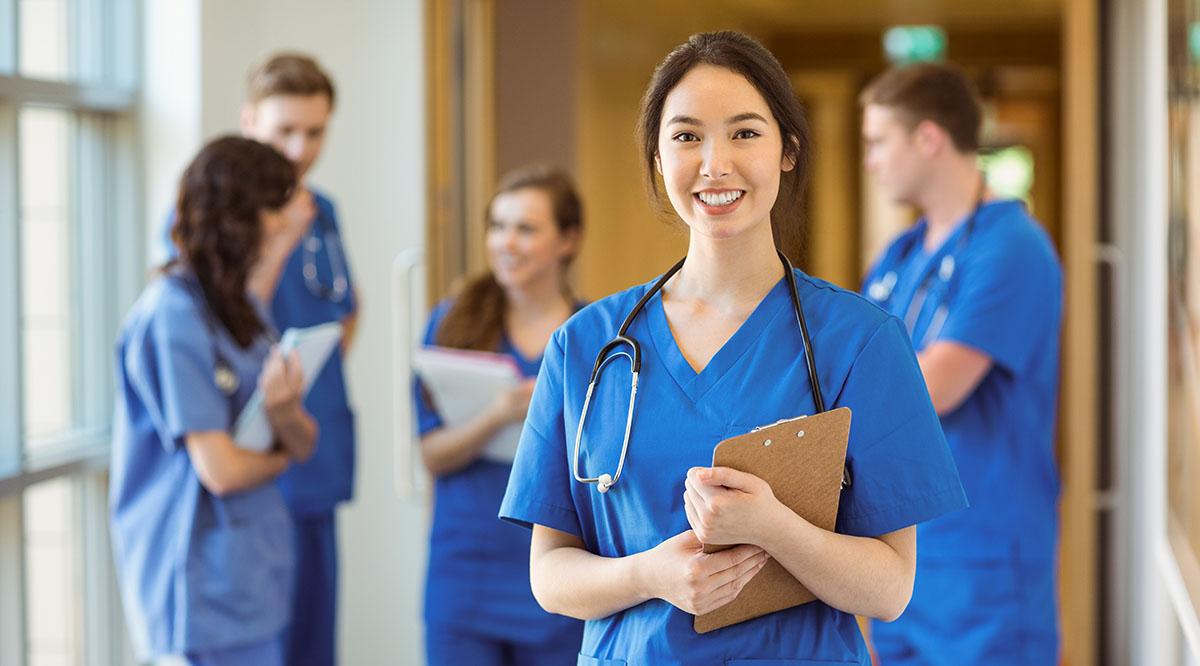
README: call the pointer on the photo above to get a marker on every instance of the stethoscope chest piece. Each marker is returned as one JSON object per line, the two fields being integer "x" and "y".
{"x": 946, "y": 269}
{"x": 226, "y": 379}
{"x": 880, "y": 290}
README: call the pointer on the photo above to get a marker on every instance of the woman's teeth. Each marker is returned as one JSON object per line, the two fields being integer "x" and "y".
{"x": 720, "y": 198}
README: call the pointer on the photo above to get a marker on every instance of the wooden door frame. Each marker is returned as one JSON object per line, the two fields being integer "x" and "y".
{"x": 460, "y": 148}
{"x": 1078, "y": 555}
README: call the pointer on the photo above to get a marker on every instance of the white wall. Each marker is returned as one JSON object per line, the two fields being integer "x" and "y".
{"x": 373, "y": 167}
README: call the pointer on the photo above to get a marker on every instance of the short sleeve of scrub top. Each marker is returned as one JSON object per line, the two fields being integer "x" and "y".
{"x": 992, "y": 299}
{"x": 182, "y": 353}
{"x": 895, "y": 482}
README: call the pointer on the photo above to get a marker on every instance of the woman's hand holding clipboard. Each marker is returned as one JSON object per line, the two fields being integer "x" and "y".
{"x": 801, "y": 462}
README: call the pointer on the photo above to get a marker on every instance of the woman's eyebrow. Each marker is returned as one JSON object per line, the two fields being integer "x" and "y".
{"x": 686, "y": 120}
{"x": 749, "y": 115}
{"x": 741, "y": 117}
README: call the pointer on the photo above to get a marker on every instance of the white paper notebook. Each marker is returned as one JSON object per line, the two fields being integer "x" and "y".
{"x": 313, "y": 345}
{"x": 463, "y": 383}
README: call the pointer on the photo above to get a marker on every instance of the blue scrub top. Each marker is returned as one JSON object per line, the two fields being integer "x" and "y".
{"x": 478, "y": 576}
{"x": 1004, "y": 298}
{"x": 317, "y": 485}
{"x": 197, "y": 572}
{"x": 902, "y": 470}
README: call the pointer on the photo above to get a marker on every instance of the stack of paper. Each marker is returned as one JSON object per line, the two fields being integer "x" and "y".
{"x": 313, "y": 345}
{"x": 463, "y": 383}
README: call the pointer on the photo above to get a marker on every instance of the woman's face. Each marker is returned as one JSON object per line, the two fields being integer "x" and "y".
{"x": 720, "y": 153}
{"x": 524, "y": 245}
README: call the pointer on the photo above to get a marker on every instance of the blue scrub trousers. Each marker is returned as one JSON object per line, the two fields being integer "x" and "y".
{"x": 311, "y": 638}
{"x": 993, "y": 613}
{"x": 258, "y": 654}
{"x": 451, "y": 646}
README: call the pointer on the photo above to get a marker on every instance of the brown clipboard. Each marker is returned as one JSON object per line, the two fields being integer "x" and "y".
{"x": 802, "y": 459}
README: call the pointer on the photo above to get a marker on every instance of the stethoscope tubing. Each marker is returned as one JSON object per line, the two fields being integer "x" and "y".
{"x": 337, "y": 267}
{"x": 605, "y": 481}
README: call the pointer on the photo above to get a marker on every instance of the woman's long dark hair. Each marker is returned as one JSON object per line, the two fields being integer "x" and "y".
{"x": 217, "y": 228}
{"x": 738, "y": 53}
{"x": 476, "y": 319}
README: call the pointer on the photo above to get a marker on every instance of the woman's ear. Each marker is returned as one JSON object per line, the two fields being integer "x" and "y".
{"x": 570, "y": 241}
{"x": 657, "y": 164}
{"x": 790, "y": 156}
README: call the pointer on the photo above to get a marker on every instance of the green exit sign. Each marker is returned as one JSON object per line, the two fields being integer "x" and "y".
{"x": 914, "y": 43}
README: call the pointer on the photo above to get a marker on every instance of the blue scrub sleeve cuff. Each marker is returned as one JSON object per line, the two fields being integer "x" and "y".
{"x": 533, "y": 512}
{"x": 899, "y": 515}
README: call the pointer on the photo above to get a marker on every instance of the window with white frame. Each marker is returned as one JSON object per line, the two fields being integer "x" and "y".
{"x": 69, "y": 238}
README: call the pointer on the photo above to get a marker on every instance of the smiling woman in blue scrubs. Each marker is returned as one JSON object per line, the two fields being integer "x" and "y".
{"x": 478, "y": 606}
{"x": 979, "y": 288}
{"x": 722, "y": 353}
{"x": 201, "y": 536}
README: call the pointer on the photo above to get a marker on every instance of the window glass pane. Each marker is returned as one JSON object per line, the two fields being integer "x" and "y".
{"x": 1183, "y": 444}
{"x": 44, "y": 39}
{"x": 47, "y": 319}
{"x": 53, "y": 608}
{"x": 1009, "y": 171}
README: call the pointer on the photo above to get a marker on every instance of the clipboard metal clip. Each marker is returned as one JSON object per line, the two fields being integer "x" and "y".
{"x": 779, "y": 422}
{"x": 846, "y": 479}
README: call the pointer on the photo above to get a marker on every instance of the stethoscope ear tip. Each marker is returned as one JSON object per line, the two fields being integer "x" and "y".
{"x": 604, "y": 483}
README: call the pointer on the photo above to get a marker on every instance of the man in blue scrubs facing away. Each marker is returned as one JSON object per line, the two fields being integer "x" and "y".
{"x": 979, "y": 288}
{"x": 289, "y": 101}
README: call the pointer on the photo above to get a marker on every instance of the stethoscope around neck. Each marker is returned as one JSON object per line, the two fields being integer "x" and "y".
{"x": 882, "y": 289}
{"x": 626, "y": 345}
{"x": 336, "y": 293}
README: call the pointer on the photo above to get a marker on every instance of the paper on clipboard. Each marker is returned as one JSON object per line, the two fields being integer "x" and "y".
{"x": 802, "y": 459}
{"x": 463, "y": 383}
{"x": 313, "y": 345}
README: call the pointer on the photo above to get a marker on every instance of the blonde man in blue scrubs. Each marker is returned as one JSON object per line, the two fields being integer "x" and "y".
{"x": 979, "y": 288}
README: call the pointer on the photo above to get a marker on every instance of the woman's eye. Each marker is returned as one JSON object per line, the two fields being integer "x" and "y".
{"x": 685, "y": 137}
{"x": 745, "y": 134}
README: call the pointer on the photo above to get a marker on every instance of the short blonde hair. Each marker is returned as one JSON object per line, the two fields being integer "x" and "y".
{"x": 288, "y": 74}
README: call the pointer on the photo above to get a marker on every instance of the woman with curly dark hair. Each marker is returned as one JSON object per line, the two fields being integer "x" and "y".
{"x": 201, "y": 537}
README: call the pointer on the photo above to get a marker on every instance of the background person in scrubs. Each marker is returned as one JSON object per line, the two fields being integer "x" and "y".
{"x": 986, "y": 329}
{"x": 201, "y": 537}
{"x": 721, "y": 354}
{"x": 478, "y": 605}
{"x": 289, "y": 101}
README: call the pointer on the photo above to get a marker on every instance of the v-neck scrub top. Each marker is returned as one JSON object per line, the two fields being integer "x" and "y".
{"x": 902, "y": 469}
